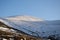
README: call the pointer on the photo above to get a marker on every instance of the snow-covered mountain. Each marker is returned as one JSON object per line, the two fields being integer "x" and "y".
{"x": 33, "y": 26}
{"x": 24, "y": 18}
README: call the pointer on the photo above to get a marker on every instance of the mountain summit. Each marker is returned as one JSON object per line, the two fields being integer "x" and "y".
{"x": 24, "y": 18}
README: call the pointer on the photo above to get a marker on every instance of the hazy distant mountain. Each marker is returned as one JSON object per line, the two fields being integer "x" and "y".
{"x": 24, "y": 18}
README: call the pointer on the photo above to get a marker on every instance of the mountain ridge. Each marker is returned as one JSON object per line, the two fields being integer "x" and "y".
{"x": 25, "y": 18}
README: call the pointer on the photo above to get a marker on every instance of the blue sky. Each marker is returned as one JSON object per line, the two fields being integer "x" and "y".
{"x": 46, "y": 9}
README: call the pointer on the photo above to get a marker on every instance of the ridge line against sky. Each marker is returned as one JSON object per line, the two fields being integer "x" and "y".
{"x": 45, "y": 9}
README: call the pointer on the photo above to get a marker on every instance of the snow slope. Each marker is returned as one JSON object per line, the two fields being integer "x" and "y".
{"x": 33, "y": 26}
